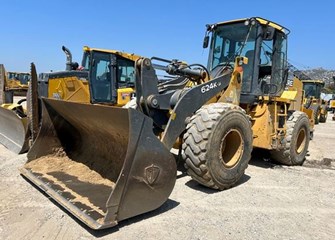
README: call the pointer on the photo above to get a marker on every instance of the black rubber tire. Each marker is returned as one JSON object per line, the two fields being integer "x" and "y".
{"x": 323, "y": 118}
{"x": 203, "y": 143}
{"x": 323, "y": 114}
{"x": 297, "y": 133}
{"x": 316, "y": 113}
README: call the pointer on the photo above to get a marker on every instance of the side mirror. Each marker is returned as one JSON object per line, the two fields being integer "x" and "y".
{"x": 206, "y": 41}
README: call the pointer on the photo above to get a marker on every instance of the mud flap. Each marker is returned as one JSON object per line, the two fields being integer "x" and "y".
{"x": 13, "y": 131}
{"x": 102, "y": 163}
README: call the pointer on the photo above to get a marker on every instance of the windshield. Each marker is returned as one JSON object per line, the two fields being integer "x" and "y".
{"x": 230, "y": 41}
{"x": 126, "y": 72}
{"x": 312, "y": 90}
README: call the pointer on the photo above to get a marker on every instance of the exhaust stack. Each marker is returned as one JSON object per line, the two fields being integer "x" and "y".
{"x": 69, "y": 63}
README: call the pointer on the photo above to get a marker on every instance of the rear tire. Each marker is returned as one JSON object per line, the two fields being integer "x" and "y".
{"x": 217, "y": 145}
{"x": 316, "y": 113}
{"x": 297, "y": 141}
{"x": 323, "y": 114}
{"x": 323, "y": 118}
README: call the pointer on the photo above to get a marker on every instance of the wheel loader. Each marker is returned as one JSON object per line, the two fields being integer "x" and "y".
{"x": 294, "y": 90}
{"x": 314, "y": 101}
{"x": 18, "y": 82}
{"x": 12, "y": 84}
{"x": 19, "y": 126}
{"x": 105, "y": 164}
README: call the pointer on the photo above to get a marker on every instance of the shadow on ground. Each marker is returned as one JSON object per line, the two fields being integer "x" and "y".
{"x": 168, "y": 205}
{"x": 323, "y": 163}
{"x": 262, "y": 158}
{"x": 198, "y": 187}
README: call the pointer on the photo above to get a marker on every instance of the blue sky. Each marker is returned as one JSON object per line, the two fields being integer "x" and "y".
{"x": 34, "y": 31}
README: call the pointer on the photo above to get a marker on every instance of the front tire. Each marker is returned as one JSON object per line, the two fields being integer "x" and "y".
{"x": 296, "y": 141}
{"x": 217, "y": 145}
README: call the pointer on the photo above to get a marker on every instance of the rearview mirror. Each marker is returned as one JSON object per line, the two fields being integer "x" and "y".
{"x": 206, "y": 41}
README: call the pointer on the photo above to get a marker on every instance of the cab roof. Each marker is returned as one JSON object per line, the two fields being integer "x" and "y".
{"x": 130, "y": 56}
{"x": 262, "y": 21}
{"x": 18, "y": 72}
{"x": 317, "y": 81}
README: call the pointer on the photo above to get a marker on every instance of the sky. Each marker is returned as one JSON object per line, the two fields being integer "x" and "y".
{"x": 35, "y": 31}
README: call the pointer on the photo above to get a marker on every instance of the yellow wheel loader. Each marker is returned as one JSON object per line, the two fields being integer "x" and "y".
{"x": 12, "y": 84}
{"x": 295, "y": 91}
{"x": 332, "y": 105}
{"x": 105, "y": 164}
{"x": 314, "y": 101}
{"x": 18, "y": 82}
{"x": 69, "y": 85}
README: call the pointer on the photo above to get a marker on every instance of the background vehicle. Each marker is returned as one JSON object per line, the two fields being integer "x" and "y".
{"x": 214, "y": 115}
{"x": 12, "y": 84}
{"x": 332, "y": 105}
{"x": 69, "y": 85}
{"x": 314, "y": 101}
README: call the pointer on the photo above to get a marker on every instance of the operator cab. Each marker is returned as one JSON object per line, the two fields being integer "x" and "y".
{"x": 107, "y": 73}
{"x": 313, "y": 88}
{"x": 264, "y": 43}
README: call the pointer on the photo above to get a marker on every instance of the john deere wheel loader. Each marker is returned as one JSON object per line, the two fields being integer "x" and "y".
{"x": 69, "y": 85}
{"x": 314, "y": 101}
{"x": 105, "y": 164}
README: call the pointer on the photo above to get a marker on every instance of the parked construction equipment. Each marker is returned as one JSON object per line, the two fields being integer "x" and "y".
{"x": 314, "y": 101}
{"x": 12, "y": 115}
{"x": 105, "y": 164}
{"x": 12, "y": 84}
{"x": 69, "y": 85}
{"x": 332, "y": 105}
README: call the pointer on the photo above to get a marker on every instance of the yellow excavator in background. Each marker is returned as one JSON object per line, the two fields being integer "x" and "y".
{"x": 19, "y": 125}
{"x": 105, "y": 164}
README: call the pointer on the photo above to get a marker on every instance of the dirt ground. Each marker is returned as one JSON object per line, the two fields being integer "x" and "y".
{"x": 270, "y": 202}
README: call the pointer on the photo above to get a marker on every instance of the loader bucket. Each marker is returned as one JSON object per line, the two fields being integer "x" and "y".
{"x": 102, "y": 163}
{"x": 13, "y": 131}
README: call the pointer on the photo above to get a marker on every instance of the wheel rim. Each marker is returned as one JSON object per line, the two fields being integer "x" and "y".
{"x": 301, "y": 141}
{"x": 231, "y": 148}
